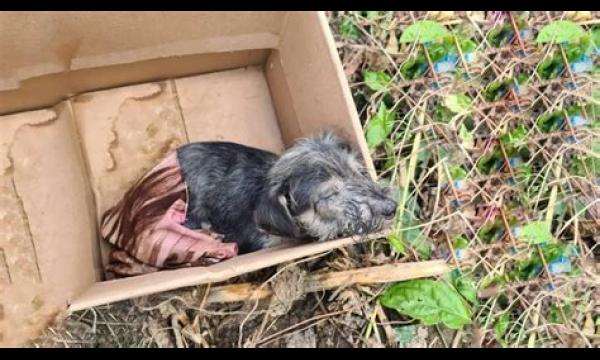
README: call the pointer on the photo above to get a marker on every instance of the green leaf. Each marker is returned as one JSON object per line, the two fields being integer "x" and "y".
{"x": 465, "y": 285}
{"x": 490, "y": 162}
{"x": 467, "y": 45}
{"x": 423, "y": 31}
{"x": 596, "y": 36}
{"x": 457, "y": 172}
{"x": 380, "y": 126}
{"x": 550, "y": 121}
{"x": 460, "y": 242}
{"x": 555, "y": 316}
{"x": 442, "y": 113}
{"x": 415, "y": 67}
{"x": 428, "y": 301}
{"x": 561, "y": 31}
{"x": 466, "y": 137}
{"x": 372, "y": 14}
{"x": 591, "y": 163}
{"x": 348, "y": 30}
{"x": 501, "y": 326}
{"x": 491, "y": 231}
{"x": 405, "y": 334}
{"x": 500, "y": 35}
{"x": 497, "y": 90}
{"x": 552, "y": 67}
{"x": 397, "y": 245}
{"x": 516, "y": 137}
{"x": 377, "y": 80}
{"x": 458, "y": 103}
{"x": 537, "y": 232}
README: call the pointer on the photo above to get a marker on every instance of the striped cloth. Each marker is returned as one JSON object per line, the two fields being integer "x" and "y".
{"x": 146, "y": 227}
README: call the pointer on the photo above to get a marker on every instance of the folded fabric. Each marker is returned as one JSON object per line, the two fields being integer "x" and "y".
{"x": 146, "y": 227}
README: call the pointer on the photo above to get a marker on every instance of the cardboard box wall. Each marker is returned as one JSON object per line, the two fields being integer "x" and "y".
{"x": 90, "y": 100}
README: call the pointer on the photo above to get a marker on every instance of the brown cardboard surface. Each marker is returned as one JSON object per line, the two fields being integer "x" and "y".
{"x": 125, "y": 132}
{"x": 33, "y": 44}
{"x": 259, "y": 79}
{"x": 115, "y": 290}
{"x": 47, "y": 240}
{"x": 232, "y": 106}
{"x": 47, "y": 90}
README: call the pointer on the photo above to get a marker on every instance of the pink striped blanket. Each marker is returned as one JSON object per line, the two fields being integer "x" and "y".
{"x": 146, "y": 227}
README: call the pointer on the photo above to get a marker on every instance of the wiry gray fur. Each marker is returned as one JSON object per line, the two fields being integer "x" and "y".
{"x": 317, "y": 190}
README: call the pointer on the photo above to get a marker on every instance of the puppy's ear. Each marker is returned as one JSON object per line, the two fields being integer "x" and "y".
{"x": 273, "y": 216}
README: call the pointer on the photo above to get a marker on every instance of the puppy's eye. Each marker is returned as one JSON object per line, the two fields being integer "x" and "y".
{"x": 345, "y": 146}
{"x": 330, "y": 195}
{"x": 324, "y": 198}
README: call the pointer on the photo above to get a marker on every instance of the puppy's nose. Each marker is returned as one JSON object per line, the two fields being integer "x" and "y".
{"x": 389, "y": 209}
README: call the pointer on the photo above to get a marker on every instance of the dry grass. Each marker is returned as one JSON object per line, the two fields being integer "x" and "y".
{"x": 520, "y": 294}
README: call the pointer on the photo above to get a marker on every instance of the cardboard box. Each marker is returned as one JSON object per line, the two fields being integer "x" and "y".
{"x": 90, "y": 100}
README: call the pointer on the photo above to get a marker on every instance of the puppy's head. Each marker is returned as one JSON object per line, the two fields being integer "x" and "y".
{"x": 319, "y": 189}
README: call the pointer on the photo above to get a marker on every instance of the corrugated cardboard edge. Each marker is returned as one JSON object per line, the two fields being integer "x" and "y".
{"x": 122, "y": 289}
{"x": 333, "y": 54}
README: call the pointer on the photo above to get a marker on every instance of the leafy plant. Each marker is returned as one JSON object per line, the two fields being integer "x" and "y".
{"x": 458, "y": 103}
{"x": 490, "y": 162}
{"x": 491, "y": 231}
{"x": 372, "y": 14}
{"x": 533, "y": 266}
{"x": 595, "y": 36}
{"x": 551, "y": 67}
{"x": 405, "y": 334}
{"x": 460, "y": 242}
{"x": 415, "y": 67}
{"x": 377, "y": 80}
{"x": 423, "y": 31}
{"x": 457, "y": 172}
{"x": 466, "y": 137}
{"x": 497, "y": 90}
{"x": 429, "y": 301}
{"x": 550, "y": 121}
{"x": 591, "y": 163}
{"x": 501, "y": 326}
{"x": 380, "y": 126}
{"x": 516, "y": 137}
{"x": 442, "y": 113}
{"x": 536, "y": 232}
{"x": 465, "y": 285}
{"x": 500, "y": 35}
{"x": 348, "y": 30}
{"x": 555, "y": 316}
{"x": 414, "y": 237}
{"x": 561, "y": 31}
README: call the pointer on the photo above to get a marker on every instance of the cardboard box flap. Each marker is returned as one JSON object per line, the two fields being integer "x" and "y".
{"x": 121, "y": 289}
{"x": 33, "y": 44}
{"x": 47, "y": 239}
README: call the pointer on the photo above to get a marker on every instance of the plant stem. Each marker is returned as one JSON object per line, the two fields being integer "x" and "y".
{"x": 435, "y": 77}
{"x": 412, "y": 164}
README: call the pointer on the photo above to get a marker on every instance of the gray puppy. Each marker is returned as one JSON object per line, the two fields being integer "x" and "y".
{"x": 317, "y": 190}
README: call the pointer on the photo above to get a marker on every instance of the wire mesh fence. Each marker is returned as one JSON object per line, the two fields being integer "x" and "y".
{"x": 488, "y": 124}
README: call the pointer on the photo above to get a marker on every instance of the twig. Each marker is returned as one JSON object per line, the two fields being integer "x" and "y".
{"x": 314, "y": 283}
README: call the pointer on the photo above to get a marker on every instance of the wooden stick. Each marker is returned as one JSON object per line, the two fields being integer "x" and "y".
{"x": 313, "y": 283}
